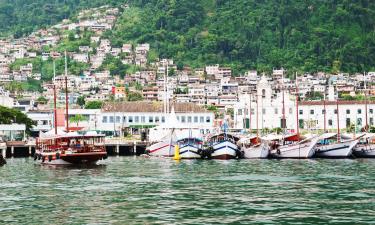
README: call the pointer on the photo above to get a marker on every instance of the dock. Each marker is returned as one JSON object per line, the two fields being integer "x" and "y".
{"x": 113, "y": 147}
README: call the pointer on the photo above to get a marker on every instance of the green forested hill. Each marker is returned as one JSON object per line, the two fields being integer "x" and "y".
{"x": 20, "y": 17}
{"x": 304, "y": 35}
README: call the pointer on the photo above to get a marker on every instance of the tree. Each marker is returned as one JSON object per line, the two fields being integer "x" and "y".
{"x": 42, "y": 100}
{"x": 134, "y": 96}
{"x": 81, "y": 100}
{"x": 8, "y": 116}
{"x": 77, "y": 118}
{"x": 94, "y": 105}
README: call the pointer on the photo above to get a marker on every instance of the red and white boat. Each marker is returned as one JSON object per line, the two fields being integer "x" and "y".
{"x": 70, "y": 148}
{"x": 254, "y": 148}
{"x": 293, "y": 146}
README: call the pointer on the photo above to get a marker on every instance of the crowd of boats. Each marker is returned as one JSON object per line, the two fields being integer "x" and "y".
{"x": 229, "y": 146}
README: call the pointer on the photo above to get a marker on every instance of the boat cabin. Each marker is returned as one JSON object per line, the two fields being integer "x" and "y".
{"x": 73, "y": 143}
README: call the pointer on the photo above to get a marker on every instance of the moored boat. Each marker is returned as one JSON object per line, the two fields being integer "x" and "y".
{"x": 223, "y": 146}
{"x": 70, "y": 148}
{"x": 365, "y": 147}
{"x": 293, "y": 146}
{"x": 254, "y": 148}
{"x": 190, "y": 148}
{"x": 333, "y": 145}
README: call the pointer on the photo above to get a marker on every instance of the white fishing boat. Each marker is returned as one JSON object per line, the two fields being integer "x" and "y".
{"x": 223, "y": 146}
{"x": 190, "y": 148}
{"x": 293, "y": 146}
{"x": 254, "y": 148}
{"x": 365, "y": 147}
{"x": 333, "y": 145}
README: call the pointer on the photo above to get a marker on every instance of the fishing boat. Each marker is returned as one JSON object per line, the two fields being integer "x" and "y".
{"x": 223, "y": 146}
{"x": 333, "y": 145}
{"x": 190, "y": 148}
{"x": 293, "y": 146}
{"x": 163, "y": 148}
{"x": 254, "y": 148}
{"x": 70, "y": 148}
{"x": 365, "y": 147}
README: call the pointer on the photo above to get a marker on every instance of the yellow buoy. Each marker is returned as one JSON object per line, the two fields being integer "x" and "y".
{"x": 177, "y": 153}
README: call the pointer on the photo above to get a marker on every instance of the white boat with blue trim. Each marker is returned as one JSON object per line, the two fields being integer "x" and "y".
{"x": 223, "y": 146}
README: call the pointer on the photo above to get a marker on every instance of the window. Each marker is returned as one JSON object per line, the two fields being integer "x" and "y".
{"x": 323, "y": 111}
{"x": 359, "y": 111}
{"x": 143, "y": 119}
{"x": 183, "y": 119}
{"x": 136, "y": 119}
{"x": 359, "y": 121}
{"x": 208, "y": 119}
{"x": 263, "y": 93}
{"x": 118, "y": 119}
{"x": 150, "y": 119}
{"x": 276, "y": 111}
{"x": 239, "y": 112}
{"x": 264, "y": 111}
{"x": 347, "y": 122}
{"x": 312, "y": 112}
{"x": 348, "y": 111}
{"x": 195, "y": 119}
{"x": 111, "y": 119}
{"x": 124, "y": 119}
{"x": 301, "y": 112}
{"x": 335, "y": 111}
{"x": 371, "y": 111}
{"x": 372, "y": 121}
{"x": 104, "y": 120}
{"x": 163, "y": 119}
{"x": 130, "y": 119}
{"x": 330, "y": 122}
{"x": 178, "y": 118}
{"x": 189, "y": 119}
{"x": 201, "y": 119}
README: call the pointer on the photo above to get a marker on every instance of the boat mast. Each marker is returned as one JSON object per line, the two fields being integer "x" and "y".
{"x": 297, "y": 95}
{"x": 365, "y": 90}
{"x": 250, "y": 114}
{"x": 283, "y": 121}
{"x": 337, "y": 114}
{"x": 54, "y": 99}
{"x": 66, "y": 95}
{"x": 257, "y": 123}
{"x": 325, "y": 111}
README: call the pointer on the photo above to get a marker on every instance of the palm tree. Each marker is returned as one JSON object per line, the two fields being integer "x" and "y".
{"x": 77, "y": 118}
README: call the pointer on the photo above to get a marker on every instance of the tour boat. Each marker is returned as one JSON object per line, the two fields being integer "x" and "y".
{"x": 293, "y": 146}
{"x": 333, "y": 145}
{"x": 163, "y": 148}
{"x": 254, "y": 148}
{"x": 365, "y": 147}
{"x": 70, "y": 148}
{"x": 223, "y": 146}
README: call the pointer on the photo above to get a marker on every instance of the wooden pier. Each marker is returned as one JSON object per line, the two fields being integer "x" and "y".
{"x": 114, "y": 147}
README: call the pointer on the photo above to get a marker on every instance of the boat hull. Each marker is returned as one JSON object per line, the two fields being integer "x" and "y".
{"x": 336, "y": 150}
{"x": 256, "y": 152}
{"x": 189, "y": 152}
{"x": 364, "y": 151}
{"x": 71, "y": 158}
{"x": 296, "y": 151}
{"x": 161, "y": 149}
{"x": 224, "y": 150}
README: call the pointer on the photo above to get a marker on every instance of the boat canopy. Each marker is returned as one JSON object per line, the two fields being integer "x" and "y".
{"x": 222, "y": 135}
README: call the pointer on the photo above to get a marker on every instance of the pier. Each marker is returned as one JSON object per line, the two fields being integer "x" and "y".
{"x": 114, "y": 147}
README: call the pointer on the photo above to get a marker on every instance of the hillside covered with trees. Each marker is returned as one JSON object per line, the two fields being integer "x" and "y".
{"x": 300, "y": 35}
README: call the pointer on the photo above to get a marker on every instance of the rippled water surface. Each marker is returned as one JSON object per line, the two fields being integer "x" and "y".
{"x": 135, "y": 190}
